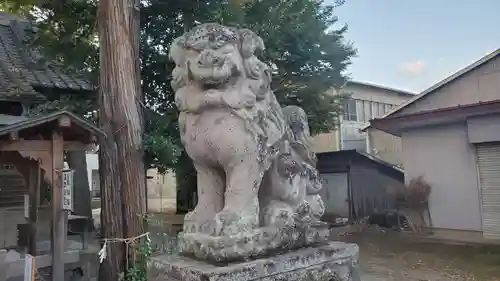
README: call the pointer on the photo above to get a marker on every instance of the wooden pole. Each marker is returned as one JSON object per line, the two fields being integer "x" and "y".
{"x": 58, "y": 215}
{"x": 34, "y": 191}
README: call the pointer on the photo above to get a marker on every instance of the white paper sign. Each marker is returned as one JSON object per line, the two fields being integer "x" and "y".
{"x": 26, "y": 206}
{"x": 67, "y": 184}
{"x": 29, "y": 268}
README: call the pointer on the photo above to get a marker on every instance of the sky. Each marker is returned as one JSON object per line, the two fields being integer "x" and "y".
{"x": 413, "y": 44}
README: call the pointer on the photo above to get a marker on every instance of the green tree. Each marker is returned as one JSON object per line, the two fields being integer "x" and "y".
{"x": 67, "y": 32}
{"x": 310, "y": 56}
{"x": 304, "y": 44}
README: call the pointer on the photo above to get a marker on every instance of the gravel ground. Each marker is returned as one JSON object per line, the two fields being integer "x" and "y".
{"x": 393, "y": 256}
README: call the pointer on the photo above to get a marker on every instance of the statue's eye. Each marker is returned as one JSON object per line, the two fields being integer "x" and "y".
{"x": 226, "y": 38}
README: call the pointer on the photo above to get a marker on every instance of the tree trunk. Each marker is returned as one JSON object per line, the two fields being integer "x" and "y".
{"x": 77, "y": 160}
{"x": 121, "y": 154}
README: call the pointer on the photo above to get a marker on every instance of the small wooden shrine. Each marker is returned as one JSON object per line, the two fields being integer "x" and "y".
{"x": 32, "y": 152}
{"x": 37, "y": 145}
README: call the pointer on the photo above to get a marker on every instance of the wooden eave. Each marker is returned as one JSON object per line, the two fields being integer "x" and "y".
{"x": 71, "y": 126}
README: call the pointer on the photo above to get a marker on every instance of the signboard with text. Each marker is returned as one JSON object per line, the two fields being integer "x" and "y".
{"x": 67, "y": 185}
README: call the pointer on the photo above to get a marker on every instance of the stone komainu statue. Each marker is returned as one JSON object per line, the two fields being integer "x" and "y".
{"x": 257, "y": 182}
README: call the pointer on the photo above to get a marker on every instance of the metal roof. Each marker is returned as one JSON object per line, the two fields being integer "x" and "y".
{"x": 376, "y": 86}
{"x": 396, "y": 123}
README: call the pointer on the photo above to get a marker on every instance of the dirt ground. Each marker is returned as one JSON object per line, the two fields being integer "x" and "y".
{"x": 395, "y": 256}
{"x": 388, "y": 256}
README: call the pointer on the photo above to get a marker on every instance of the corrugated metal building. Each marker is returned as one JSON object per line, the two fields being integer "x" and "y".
{"x": 355, "y": 184}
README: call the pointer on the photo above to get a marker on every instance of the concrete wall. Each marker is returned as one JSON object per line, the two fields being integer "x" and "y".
{"x": 162, "y": 192}
{"x": 385, "y": 146}
{"x": 162, "y": 188}
{"x": 479, "y": 85}
{"x": 351, "y": 137}
{"x": 325, "y": 142}
{"x": 447, "y": 161}
{"x": 92, "y": 164}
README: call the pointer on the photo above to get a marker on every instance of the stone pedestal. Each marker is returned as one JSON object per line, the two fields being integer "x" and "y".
{"x": 263, "y": 241}
{"x": 335, "y": 261}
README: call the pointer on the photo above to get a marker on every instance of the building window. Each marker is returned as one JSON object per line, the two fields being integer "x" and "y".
{"x": 381, "y": 109}
{"x": 367, "y": 108}
{"x": 360, "y": 112}
{"x": 350, "y": 113}
{"x": 375, "y": 112}
{"x": 364, "y": 110}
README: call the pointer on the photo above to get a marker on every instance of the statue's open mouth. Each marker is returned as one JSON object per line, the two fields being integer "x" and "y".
{"x": 213, "y": 77}
{"x": 212, "y": 86}
{"x": 221, "y": 82}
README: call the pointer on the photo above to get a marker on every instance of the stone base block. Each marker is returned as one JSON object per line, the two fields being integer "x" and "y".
{"x": 253, "y": 244}
{"x": 335, "y": 261}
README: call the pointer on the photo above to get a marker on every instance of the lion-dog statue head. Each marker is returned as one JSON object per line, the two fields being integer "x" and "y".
{"x": 214, "y": 60}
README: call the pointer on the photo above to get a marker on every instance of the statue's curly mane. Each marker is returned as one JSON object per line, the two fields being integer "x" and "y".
{"x": 254, "y": 76}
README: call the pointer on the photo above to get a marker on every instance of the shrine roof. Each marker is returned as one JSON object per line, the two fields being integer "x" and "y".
{"x": 23, "y": 69}
{"x": 73, "y": 129}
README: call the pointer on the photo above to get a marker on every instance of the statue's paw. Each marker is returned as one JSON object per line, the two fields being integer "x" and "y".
{"x": 190, "y": 216}
{"x": 195, "y": 216}
{"x": 285, "y": 218}
{"x": 304, "y": 208}
{"x": 226, "y": 217}
{"x": 230, "y": 223}
{"x": 317, "y": 205}
{"x": 195, "y": 222}
{"x": 222, "y": 219}
{"x": 191, "y": 224}
{"x": 278, "y": 214}
{"x": 222, "y": 216}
